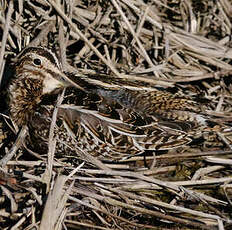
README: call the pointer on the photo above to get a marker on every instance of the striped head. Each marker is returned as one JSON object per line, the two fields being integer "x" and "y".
{"x": 38, "y": 72}
{"x": 41, "y": 64}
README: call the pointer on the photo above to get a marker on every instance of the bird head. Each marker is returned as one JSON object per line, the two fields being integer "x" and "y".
{"x": 37, "y": 73}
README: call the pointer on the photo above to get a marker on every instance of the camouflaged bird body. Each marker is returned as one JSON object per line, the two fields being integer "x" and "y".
{"x": 104, "y": 115}
{"x": 114, "y": 123}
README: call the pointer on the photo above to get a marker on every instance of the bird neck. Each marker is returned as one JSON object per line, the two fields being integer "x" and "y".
{"x": 25, "y": 95}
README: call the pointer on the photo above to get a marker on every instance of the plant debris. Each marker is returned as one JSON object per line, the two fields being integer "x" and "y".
{"x": 177, "y": 45}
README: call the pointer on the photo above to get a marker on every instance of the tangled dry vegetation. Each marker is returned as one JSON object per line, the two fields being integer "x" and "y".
{"x": 184, "y": 45}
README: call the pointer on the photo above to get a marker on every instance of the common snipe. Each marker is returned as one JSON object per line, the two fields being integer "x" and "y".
{"x": 101, "y": 114}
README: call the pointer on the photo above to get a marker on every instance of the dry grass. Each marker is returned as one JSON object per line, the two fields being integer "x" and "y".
{"x": 184, "y": 45}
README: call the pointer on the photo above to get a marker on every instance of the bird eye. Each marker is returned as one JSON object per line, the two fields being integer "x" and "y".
{"x": 37, "y": 61}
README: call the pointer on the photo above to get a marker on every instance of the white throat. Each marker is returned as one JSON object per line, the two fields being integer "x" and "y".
{"x": 50, "y": 84}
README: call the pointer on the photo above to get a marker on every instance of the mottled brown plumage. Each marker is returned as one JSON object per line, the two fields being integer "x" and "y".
{"x": 102, "y": 115}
